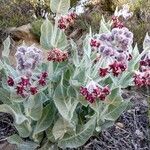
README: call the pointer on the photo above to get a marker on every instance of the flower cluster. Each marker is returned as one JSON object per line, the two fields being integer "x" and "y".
{"x": 95, "y": 43}
{"x": 116, "y": 68}
{"x": 115, "y": 47}
{"x": 125, "y": 12}
{"x": 24, "y": 86}
{"x": 119, "y": 40}
{"x": 65, "y": 21}
{"x": 145, "y": 62}
{"x": 92, "y": 92}
{"x": 117, "y": 23}
{"x": 57, "y": 55}
{"x": 142, "y": 77}
{"x": 28, "y": 58}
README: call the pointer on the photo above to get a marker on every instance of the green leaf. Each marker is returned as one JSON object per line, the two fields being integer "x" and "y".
{"x": 114, "y": 114}
{"x": 38, "y": 137}
{"x": 60, "y": 6}
{"x": 47, "y": 146}
{"x": 60, "y": 128}
{"x": 46, "y": 34}
{"x": 114, "y": 93}
{"x": 14, "y": 97}
{"x": 75, "y": 56}
{"x": 104, "y": 26}
{"x": 135, "y": 60}
{"x": 65, "y": 105}
{"x": 116, "y": 12}
{"x": 71, "y": 92}
{"x": 146, "y": 43}
{"x": 126, "y": 79}
{"x": 1, "y": 65}
{"x": 24, "y": 129}
{"x": 59, "y": 39}
{"x": 135, "y": 51}
{"x": 9, "y": 70}
{"x": 19, "y": 117}
{"x": 34, "y": 107}
{"x": 80, "y": 138}
{"x": 87, "y": 47}
{"x": 78, "y": 78}
{"x": 50, "y": 135}
{"x": 5, "y": 96}
{"x": 46, "y": 119}
{"x": 106, "y": 124}
{"x": 6, "y": 50}
{"x": 22, "y": 145}
{"x": 52, "y": 37}
{"x": 21, "y": 123}
{"x": 82, "y": 100}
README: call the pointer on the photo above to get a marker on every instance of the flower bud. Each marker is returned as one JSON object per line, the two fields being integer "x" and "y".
{"x": 33, "y": 90}
{"x": 10, "y": 81}
{"x": 56, "y": 55}
{"x": 103, "y": 72}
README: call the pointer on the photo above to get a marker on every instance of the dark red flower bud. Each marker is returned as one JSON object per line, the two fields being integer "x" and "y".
{"x": 122, "y": 66}
{"x": 130, "y": 57}
{"x": 73, "y": 15}
{"x": 90, "y": 98}
{"x": 139, "y": 80}
{"x": 103, "y": 72}
{"x": 114, "y": 18}
{"x": 83, "y": 91}
{"x": 24, "y": 81}
{"x": 95, "y": 43}
{"x": 97, "y": 91}
{"x": 10, "y": 81}
{"x": 106, "y": 90}
{"x": 117, "y": 23}
{"x": 117, "y": 68}
{"x": 69, "y": 19}
{"x": 20, "y": 90}
{"x": 102, "y": 96}
{"x": 92, "y": 92}
{"x": 62, "y": 26}
{"x": 143, "y": 63}
{"x": 56, "y": 55}
{"x": 44, "y": 74}
{"x": 33, "y": 90}
{"x": 42, "y": 81}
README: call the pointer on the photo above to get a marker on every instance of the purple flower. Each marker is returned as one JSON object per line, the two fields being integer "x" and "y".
{"x": 28, "y": 58}
{"x": 108, "y": 51}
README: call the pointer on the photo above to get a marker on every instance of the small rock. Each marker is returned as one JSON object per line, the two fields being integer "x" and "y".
{"x": 139, "y": 134}
{"x": 119, "y": 125}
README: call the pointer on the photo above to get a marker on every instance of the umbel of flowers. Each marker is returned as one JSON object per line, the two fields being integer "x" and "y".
{"x": 57, "y": 55}
{"x": 124, "y": 13}
{"x": 27, "y": 58}
{"x": 66, "y": 20}
{"x": 142, "y": 77}
{"x": 116, "y": 47}
{"x": 92, "y": 91}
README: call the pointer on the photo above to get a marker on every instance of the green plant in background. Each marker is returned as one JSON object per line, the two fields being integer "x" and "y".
{"x": 14, "y": 14}
{"x": 64, "y": 100}
{"x": 36, "y": 27}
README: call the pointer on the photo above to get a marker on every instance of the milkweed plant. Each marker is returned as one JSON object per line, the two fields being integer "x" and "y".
{"x": 60, "y": 98}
